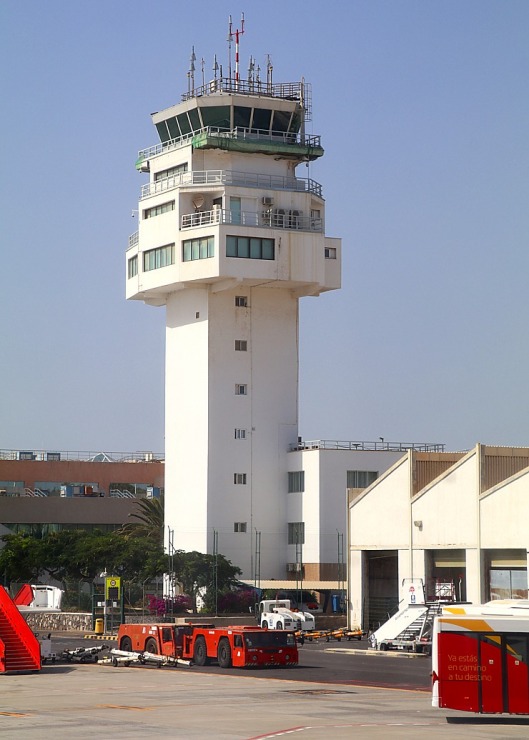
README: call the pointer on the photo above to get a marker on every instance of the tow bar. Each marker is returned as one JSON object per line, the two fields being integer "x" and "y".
{"x": 124, "y": 657}
{"x": 83, "y": 654}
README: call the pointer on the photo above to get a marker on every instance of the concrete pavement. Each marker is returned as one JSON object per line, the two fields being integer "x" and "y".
{"x": 87, "y": 701}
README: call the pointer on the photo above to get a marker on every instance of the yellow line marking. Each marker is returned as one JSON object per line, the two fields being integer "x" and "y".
{"x": 122, "y": 706}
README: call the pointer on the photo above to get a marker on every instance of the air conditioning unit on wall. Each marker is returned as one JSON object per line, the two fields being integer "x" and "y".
{"x": 293, "y": 567}
{"x": 268, "y": 200}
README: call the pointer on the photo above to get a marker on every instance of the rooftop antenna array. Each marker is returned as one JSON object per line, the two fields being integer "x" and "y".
{"x": 233, "y": 79}
{"x": 238, "y": 34}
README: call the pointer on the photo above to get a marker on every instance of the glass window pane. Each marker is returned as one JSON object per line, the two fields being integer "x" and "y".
{"x": 195, "y": 120}
{"x": 255, "y": 249}
{"x": 187, "y": 251}
{"x": 183, "y": 122}
{"x": 231, "y": 246}
{"x": 195, "y": 249}
{"x": 216, "y": 116}
{"x": 268, "y": 249}
{"x": 243, "y": 246}
{"x": 261, "y": 119}
{"x": 281, "y": 120}
{"x": 162, "y": 131}
{"x": 174, "y": 131}
{"x": 241, "y": 116}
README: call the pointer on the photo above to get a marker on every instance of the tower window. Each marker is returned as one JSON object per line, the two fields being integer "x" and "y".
{"x": 296, "y": 481}
{"x": 158, "y": 210}
{"x": 240, "y": 434}
{"x": 160, "y": 257}
{"x": 241, "y": 301}
{"x": 241, "y": 345}
{"x": 241, "y": 389}
{"x": 239, "y": 526}
{"x": 198, "y": 249}
{"x": 132, "y": 266}
{"x": 171, "y": 172}
{"x": 330, "y": 253}
{"x": 360, "y": 478}
{"x": 296, "y": 533}
{"x": 239, "y": 479}
{"x": 251, "y": 248}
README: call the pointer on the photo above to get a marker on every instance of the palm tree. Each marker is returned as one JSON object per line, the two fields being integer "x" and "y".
{"x": 149, "y": 520}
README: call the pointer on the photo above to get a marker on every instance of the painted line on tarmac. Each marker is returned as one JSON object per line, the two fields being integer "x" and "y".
{"x": 303, "y": 728}
{"x": 124, "y": 706}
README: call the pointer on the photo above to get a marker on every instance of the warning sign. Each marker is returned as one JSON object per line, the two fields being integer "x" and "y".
{"x": 112, "y": 588}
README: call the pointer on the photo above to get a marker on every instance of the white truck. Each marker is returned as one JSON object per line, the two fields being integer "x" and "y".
{"x": 280, "y": 615}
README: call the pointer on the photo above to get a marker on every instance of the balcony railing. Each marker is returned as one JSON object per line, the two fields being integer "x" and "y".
{"x": 241, "y": 134}
{"x": 332, "y": 444}
{"x": 87, "y": 456}
{"x": 133, "y": 240}
{"x": 230, "y": 177}
{"x": 273, "y": 219}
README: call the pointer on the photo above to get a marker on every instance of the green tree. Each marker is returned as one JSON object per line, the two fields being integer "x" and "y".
{"x": 79, "y": 555}
{"x": 197, "y": 572}
{"x": 147, "y": 521}
{"x": 21, "y": 558}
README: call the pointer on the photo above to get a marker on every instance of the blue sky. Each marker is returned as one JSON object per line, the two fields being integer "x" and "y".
{"x": 423, "y": 109}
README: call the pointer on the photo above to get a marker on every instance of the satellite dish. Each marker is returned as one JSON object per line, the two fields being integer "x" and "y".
{"x": 198, "y": 202}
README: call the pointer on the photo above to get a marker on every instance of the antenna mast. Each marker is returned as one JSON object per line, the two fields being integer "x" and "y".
{"x": 191, "y": 73}
{"x": 269, "y": 70}
{"x": 237, "y": 35}
{"x": 230, "y": 38}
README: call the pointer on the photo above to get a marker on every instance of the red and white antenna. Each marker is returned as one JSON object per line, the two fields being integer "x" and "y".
{"x": 238, "y": 33}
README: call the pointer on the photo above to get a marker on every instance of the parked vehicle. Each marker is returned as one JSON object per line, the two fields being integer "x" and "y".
{"x": 278, "y": 614}
{"x": 480, "y": 658}
{"x": 236, "y": 646}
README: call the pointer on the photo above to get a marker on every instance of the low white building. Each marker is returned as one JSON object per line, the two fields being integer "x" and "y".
{"x": 453, "y": 521}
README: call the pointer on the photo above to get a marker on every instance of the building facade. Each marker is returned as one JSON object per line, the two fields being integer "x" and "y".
{"x": 230, "y": 237}
{"x": 453, "y": 522}
{"x": 42, "y": 492}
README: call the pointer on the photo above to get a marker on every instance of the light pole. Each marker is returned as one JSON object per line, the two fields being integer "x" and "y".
{"x": 105, "y": 613}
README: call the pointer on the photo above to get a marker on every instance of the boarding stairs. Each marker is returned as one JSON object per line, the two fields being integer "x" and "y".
{"x": 19, "y": 648}
{"x": 409, "y": 629}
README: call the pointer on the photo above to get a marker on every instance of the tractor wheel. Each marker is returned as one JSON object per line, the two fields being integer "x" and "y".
{"x": 264, "y": 624}
{"x": 279, "y": 626}
{"x": 200, "y": 653}
{"x": 224, "y": 653}
{"x": 151, "y": 646}
{"x": 126, "y": 645}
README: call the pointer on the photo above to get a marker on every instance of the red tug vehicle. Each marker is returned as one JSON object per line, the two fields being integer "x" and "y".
{"x": 237, "y": 646}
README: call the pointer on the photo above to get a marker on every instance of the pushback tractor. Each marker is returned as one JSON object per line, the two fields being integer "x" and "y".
{"x": 237, "y": 646}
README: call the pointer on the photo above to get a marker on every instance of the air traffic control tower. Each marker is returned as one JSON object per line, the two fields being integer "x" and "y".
{"x": 229, "y": 238}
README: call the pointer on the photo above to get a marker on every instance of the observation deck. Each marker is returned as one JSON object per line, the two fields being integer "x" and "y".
{"x": 240, "y": 116}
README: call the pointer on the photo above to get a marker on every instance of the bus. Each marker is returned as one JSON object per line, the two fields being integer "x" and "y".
{"x": 480, "y": 658}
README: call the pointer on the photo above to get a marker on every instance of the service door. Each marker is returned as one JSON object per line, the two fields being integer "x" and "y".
{"x": 516, "y": 671}
{"x": 491, "y": 674}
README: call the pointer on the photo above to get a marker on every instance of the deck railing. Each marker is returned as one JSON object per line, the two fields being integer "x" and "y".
{"x": 231, "y": 177}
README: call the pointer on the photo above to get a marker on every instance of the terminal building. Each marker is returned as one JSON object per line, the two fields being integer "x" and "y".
{"x": 447, "y": 525}
{"x": 43, "y": 492}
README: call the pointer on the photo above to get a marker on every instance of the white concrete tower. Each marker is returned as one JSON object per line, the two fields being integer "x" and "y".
{"x": 229, "y": 239}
